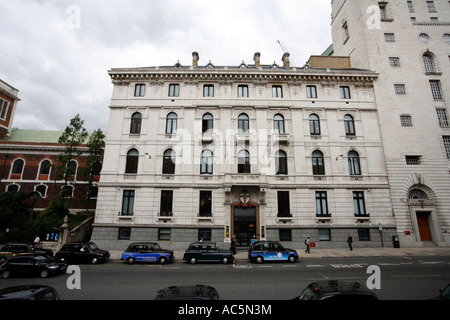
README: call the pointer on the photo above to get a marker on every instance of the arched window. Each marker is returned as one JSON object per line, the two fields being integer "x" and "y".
{"x": 446, "y": 38}
{"x": 171, "y": 123}
{"x": 169, "y": 158}
{"x": 318, "y": 164}
{"x": 12, "y": 188}
{"x": 314, "y": 124}
{"x": 132, "y": 161}
{"x": 207, "y": 122}
{"x": 206, "y": 162}
{"x": 72, "y": 167}
{"x": 243, "y": 123}
{"x": 17, "y": 167}
{"x": 281, "y": 162}
{"x": 136, "y": 121}
{"x": 424, "y": 38}
{"x": 349, "y": 124}
{"x": 278, "y": 123}
{"x": 44, "y": 168}
{"x": 428, "y": 62}
{"x": 354, "y": 167}
{"x": 417, "y": 194}
{"x": 42, "y": 189}
{"x": 244, "y": 162}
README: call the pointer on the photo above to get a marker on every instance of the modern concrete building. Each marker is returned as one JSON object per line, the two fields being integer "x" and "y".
{"x": 408, "y": 44}
{"x": 252, "y": 150}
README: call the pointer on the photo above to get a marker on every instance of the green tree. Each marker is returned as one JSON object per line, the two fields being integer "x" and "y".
{"x": 95, "y": 145}
{"x": 73, "y": 137}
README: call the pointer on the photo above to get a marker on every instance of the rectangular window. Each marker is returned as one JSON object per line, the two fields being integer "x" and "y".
{"x": 345, "y": 92}
{"x": 277, "y": 92}
{"x": 447, "y": 145}
{"x": 394, "y": 62}
{"x": 205, "y": 209}
{"x": 311, "y": 91}
{"x": 164, "y": 234}
{"x": 442, "y": 117}
{"x": 431, "y": 7}
{"x": 204, "y": 234}
{"x": 174, "y": 90}
{"x": 285, "y": 234}
{"x": 242, "y": 91}
{"x": 128, "y": 202}
{"x": 321, "y": 204}
{"x": 358, "y": 203}
{"x": 436, "y": 89}
{"x": 139, "y": 90}
{"x": 406, "y": 120}
{"x": 208, "y": 90}
{"x": 364, "y": 234}
{"x": 284, "y": 209}
{"x": 324, "y": 235}
{"x": 389, "y": 37}
{"x": 166, "y": 203}
{"x": 413, "y": 160}
{"x": 3, "y": 108}
{"x": 384, "y": 11}
{"x": 399, "y": 89}
{"x": 410, "y": 7}
{"x": 124, "y": 233}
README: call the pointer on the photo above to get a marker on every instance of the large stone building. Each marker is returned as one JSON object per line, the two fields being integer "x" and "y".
{"x": 408, "y": 44}
{"x": 257, "y": 151}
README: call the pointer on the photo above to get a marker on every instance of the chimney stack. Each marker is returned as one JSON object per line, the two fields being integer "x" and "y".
{"x": 195, "y": 58}
{"x": 256, "y": 58}
{"x": 286, "y": 61}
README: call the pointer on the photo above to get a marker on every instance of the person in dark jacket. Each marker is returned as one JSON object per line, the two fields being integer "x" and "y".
{"x": 350, "y": 241}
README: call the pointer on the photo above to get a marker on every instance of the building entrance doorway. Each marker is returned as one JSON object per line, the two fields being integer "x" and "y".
{"x": 244, "y": 225}
{"x": 424, "y": 226}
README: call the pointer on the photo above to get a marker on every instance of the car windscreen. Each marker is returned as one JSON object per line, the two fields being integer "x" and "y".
{"x": 93, "y": 246}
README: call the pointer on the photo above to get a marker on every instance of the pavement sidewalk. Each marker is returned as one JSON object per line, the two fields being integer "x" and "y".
{"x": 241, "y": 254}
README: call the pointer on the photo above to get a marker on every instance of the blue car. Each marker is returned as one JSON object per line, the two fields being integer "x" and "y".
{"x": 147, "y": 252}
{"x": 262, "y": 251}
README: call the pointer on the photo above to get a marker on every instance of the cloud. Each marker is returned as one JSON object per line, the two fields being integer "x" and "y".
{"x": 62, "y": 71}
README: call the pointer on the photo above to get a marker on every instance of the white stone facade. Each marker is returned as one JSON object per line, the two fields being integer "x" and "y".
{"x": 408, "y": 44}
{"x": 273, "y": 196}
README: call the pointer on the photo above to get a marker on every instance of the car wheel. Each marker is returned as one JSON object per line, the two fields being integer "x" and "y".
{"x": 6, "y": 274}
{"x": 193, "y": 261}
{"x": 225, "y": 260}
{"x": 259, "y": 259}
{"x": 94, "y": 260}
{"x": 44, "y": 273}
{"x": 163, "y": 260}
{"x": 291, "y": 259}
{"x": 130, "y": 260}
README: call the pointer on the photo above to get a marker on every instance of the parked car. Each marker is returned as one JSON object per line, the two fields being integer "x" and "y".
{"x": 32, "y": 264}
{"x": 207, "y": 251}
{"x": 79, "y": 252}
{"x": 262, "y": 251}
{"x": 29, "y": 292}
{"x": 16, "y": 248}
{"x": 198, "y": 292}
{"x": 336, "y": 290}
{"x": 147, "y": 252}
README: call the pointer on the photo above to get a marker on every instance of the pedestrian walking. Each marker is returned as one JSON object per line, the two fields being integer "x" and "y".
{"x": 350, "y": 241}
{"x": 37, "y": 240}
{"x": 233, "y": 245}
{"x": 307, "y": 245}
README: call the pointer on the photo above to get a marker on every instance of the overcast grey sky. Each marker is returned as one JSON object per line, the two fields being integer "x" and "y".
{"x": 58, "y": 52}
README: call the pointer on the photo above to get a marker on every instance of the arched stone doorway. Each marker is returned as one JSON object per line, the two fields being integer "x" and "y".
{"x": 423, "y": 209}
